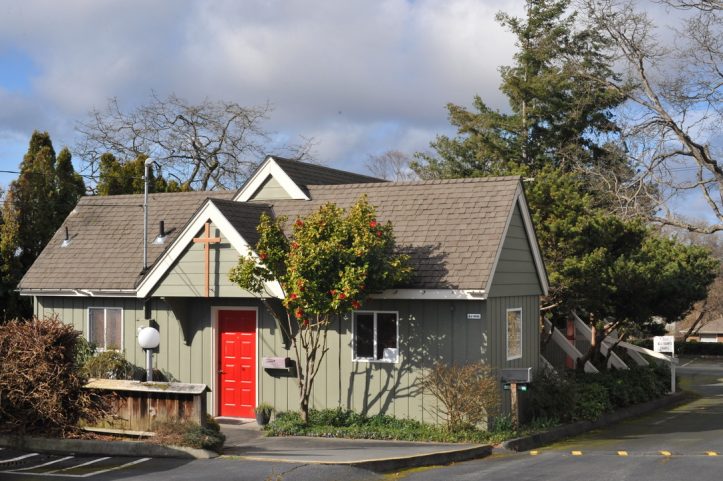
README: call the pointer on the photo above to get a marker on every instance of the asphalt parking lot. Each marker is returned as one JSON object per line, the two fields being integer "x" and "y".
{"x": 22, "y": 465}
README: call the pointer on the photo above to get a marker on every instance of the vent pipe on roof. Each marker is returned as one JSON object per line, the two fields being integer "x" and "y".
{"x": 161, "y": 229}
{"x": 66, "y": 241}
{"x": 146, "y": 174}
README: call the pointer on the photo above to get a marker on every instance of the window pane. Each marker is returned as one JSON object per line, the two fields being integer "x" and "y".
{"x": 514, "y": 334}
{"x": 364, "y": 336}
{"x": 113, "y": 328}
{"x": 386, "y": 332}
{"x": 96, "y": 324}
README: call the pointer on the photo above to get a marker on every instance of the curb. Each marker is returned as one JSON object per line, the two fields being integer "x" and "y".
{"x": 526, "y": 443}
{"x": 385, "y": 465}
{"x": 423, "y": 460}
{"x": 102, "y": 448}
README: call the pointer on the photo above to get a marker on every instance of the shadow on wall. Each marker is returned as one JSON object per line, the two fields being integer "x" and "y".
{"x": 386, "y": 383}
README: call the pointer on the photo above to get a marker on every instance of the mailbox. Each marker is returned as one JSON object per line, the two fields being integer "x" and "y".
{"x": 275, "y": 362}
{"x": 516, "y": 375}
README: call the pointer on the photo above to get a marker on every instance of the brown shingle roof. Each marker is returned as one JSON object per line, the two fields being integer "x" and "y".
{"x": 304, "y": 174}
{"x": 106, "y": 248}
{"x": 451, "y": 228}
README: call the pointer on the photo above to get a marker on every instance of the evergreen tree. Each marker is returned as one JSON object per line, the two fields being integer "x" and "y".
{"x": 36, "y": 204}
{"x": 561, "y": 113}
{"x": 127, "y": 178}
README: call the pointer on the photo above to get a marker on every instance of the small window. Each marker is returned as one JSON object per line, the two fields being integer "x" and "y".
{"x": 514, "y": 333}
{"x": 375, "y": 336}
{"x": 105, "y": 328}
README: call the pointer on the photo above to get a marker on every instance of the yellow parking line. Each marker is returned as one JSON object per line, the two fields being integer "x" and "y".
{"x": 666, "y": 453}
{"x": 711, "y": 453}
{"x": 622, "y": 453}
{"x": 576, "y": 453}
{"x": 534, "y": 453}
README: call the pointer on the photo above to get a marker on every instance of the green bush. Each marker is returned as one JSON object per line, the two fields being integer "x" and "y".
{"x": 344, "y": 423}
{"x": 551, "y": 394}
{"x": 110, "y": 365}
{"x": 591, "y": 401}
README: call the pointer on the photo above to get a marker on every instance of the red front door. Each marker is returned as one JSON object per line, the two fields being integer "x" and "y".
{"x": 237, "y": 363}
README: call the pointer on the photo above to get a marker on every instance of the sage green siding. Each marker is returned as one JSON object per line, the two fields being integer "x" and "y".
{"x": 429, "y": 331}
{"x": 270, "y": 190}
{"x": 186, "y": 351}
{"x": 516, "y": 274}
{"x": 186, "y": 276}
{"x": 497, "y": 331}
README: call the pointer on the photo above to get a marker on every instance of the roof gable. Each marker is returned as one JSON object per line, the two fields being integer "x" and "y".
{"x": 294, "y": 177}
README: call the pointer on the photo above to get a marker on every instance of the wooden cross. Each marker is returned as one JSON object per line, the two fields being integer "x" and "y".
{"x": 207, "y": 241}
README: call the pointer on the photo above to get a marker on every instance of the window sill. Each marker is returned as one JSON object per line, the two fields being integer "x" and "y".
{"x": 379, "y": 361}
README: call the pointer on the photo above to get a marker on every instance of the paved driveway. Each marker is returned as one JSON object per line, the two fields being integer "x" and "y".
{"x": 681, "y": 443}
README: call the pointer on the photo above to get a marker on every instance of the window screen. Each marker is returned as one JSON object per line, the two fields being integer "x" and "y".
{"x": 105, "y": 327}
{"x": 514, "y": 334}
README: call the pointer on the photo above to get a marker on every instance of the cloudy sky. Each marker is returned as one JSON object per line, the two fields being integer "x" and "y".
{"x": 360, "y": 77}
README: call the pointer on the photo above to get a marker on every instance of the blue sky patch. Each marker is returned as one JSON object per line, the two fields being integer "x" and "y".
{"x": 16, "y": 70}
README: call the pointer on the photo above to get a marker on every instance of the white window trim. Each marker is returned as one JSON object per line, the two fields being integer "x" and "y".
{"x": 507, "y": 331}
{"x": 353, "y": 338}
{"x": 122, "y": 321}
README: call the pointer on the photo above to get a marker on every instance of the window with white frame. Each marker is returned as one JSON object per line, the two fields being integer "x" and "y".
{"x": 105, "y": 327}
{"x": 376, "y": 336}
{"x": 514, "y": 333}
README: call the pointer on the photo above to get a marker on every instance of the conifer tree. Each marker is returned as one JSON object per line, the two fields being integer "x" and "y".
{"x": 36, "y": 204}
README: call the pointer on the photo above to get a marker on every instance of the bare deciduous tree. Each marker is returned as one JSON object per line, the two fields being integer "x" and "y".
{"x": 675, "y": 106}
{"x": 391, "y": 165}
{"x": 209, "y": 145}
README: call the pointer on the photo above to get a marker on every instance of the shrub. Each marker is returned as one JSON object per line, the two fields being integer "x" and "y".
{"x": 41, "y": 382}
{"x": 111, "y": 365}
{"x": 551, "y": 394}
{"x": 468, "y": 395}
{"x": 591, "y": 401}
{"x": 190, "y": 434}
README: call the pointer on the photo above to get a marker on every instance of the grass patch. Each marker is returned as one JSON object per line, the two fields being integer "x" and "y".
{"x": 341, "y": 423}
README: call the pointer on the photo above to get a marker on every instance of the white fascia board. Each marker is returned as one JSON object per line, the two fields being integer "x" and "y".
{"x": 208, "y": 212}
{"x": 270, "y": 168}
{"x": 78, "y": 292}
{"x": 432, "y": 294}
{"x": 531, "y": 241}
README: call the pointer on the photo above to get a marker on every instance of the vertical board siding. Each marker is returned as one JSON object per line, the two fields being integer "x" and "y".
{"x": 497, "y": 314}
{"x": 186, "y": 278}
{"x": 270, "y": 190}
{"x": 429, "y": 331}
{"x": 516, "y": 273}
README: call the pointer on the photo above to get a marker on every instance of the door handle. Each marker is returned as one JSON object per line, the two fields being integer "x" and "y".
{"x": 220, "y": 371}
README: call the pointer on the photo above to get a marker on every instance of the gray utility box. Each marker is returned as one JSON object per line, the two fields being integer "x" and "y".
{"x": 517, "y": 375}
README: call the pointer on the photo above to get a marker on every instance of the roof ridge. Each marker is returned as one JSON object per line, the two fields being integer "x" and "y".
{"x": 320, "y": 166}
{"x": 462, "y": 180}
{"x": 109, "y": 198}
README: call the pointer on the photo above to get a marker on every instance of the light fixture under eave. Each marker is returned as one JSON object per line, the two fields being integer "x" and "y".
{"x": 66, "y": 242}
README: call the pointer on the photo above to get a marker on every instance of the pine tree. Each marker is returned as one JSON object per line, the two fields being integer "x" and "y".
{"x": 127, "y": 178}
{"x": 35, "y": 206}
{"x": 561, "y": 113}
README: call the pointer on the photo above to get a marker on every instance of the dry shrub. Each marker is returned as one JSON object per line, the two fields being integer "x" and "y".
{"x": 41, "y": 385}
{"x": 468, "y": 394}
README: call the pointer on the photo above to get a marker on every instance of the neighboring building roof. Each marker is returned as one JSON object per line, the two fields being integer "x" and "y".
{"x": 712, "y": 327}
{"x": 243, "y": 217}
{"x": 106, "y": 247}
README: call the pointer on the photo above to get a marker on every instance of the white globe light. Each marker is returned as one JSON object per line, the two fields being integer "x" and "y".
{"x": 149, "y": 338}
